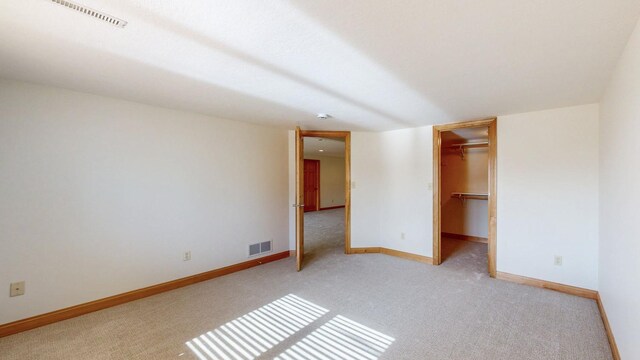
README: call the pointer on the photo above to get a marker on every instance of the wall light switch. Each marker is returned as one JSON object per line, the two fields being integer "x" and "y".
{"x": 17, "y": 289}
{"x": 557, "y": 260}
{"x": 430, "y": 186}
{"x": 353, "y": 184}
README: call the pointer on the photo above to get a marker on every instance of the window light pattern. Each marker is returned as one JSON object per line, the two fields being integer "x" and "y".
{"x": 340, "y": 338}
{"x": 251, "y": 335}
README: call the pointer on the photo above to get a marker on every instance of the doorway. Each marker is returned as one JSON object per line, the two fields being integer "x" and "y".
{"x": 464, "y": 183}
{"x": 322, "y": 188}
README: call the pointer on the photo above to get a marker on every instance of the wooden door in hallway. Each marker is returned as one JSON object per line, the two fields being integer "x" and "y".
{"x": 311, "y": 185}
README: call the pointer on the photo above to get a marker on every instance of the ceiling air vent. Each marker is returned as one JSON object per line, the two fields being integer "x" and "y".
{"x": 94, "y": 13}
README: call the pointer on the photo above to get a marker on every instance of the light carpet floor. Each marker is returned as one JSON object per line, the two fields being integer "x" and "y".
{"x": 369, "y": 306}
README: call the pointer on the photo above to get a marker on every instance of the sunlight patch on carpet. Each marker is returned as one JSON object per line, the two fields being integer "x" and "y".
{"x": 340, "y": 338}
{"x": 254, "y": 333}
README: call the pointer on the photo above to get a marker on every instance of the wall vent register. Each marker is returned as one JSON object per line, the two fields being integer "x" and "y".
{"x": 259, "y": 248}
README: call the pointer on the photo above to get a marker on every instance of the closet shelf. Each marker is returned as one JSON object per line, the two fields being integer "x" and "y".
{"x": 465, "y": 196}
{"x": 461, "y": 147}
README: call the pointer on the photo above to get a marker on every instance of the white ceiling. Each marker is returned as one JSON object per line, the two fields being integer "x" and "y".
{"x": 371, "y": 65}
{"x": 465, "y": 135}
{"x": 329, "y": 147}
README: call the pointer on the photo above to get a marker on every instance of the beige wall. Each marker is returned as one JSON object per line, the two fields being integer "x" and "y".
{"x": 331, "y": 180}
{"x": 391, "y": 174}
{"x": 102, "y": 196}
{"x": 619, "y": 199}
{"x": 465, "y": 175}
{"x": 548, "y": 195}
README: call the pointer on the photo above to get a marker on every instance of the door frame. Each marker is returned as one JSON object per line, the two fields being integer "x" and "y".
{"x": 346, "y": 135}
{"x": 492, "y": 124}
{"x": 317, "y": 162}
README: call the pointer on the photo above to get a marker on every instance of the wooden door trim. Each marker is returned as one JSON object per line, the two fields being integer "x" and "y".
{"x": 491, "y": 123}
{"x": 326, "y": 134}
{"x": 346, "y": 135}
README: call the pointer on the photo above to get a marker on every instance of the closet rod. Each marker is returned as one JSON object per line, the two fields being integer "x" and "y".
{"x": 464, "y": 196}
{"x": 469, "y": 144}
{"x": 461, "y": 147}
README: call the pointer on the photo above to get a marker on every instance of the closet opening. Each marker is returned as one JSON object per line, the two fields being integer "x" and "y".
{"x": 465, "y": 196}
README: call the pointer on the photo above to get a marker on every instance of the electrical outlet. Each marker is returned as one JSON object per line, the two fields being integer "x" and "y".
{"x": 186, "y": 256}
{"x": 353, "y": 184}
{"x": 17, "y": 289}
{"x": 557, "y": 260}
{"x": 402, "y": 235}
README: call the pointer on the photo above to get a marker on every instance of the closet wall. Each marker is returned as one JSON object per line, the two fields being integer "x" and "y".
{"x": 468, "y": 174}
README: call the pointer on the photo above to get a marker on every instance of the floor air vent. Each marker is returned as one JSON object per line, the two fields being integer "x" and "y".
{"x": 259, "y": 248}
{"x": 94, "y": 13}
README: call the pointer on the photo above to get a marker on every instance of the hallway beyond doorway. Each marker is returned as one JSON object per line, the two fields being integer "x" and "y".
{"x": 324, "y": 234}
